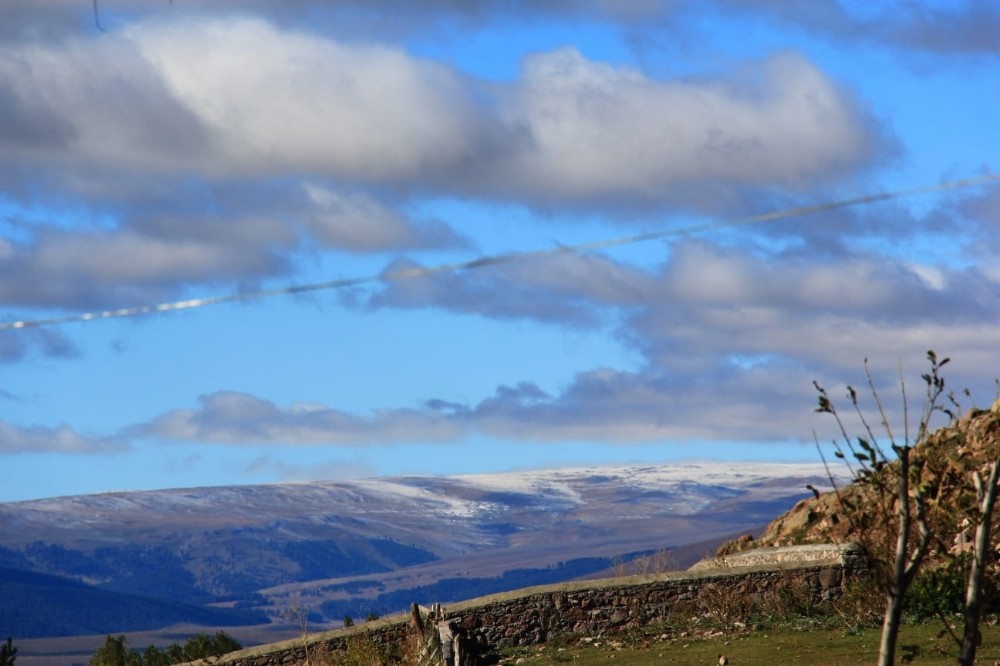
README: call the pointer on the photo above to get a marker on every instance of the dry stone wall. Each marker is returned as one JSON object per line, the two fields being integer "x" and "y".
{"x": 592, "y": 608}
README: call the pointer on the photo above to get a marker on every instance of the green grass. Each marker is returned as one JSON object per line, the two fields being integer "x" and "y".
{"x": 800, "y": 647}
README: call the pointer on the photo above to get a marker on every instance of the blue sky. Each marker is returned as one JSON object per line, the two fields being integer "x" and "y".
{"x": 189, "y": 150}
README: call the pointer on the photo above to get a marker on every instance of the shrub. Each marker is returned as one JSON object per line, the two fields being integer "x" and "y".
{"x": 859, "y": 606}
{"x": 116, "y": 652}
{"x": 362, "y": 650}
{"x": 8, "y": 653}
{"x": 940, "y": 591}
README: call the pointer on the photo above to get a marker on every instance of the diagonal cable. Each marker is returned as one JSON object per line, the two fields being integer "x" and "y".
{"x": 494, "y": 259}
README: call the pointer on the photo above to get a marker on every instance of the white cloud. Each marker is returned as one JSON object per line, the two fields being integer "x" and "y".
{"x": 92, "y": 104}
{"x": 598, "y": 130}
{"x": 239, "y": 98}
{"x": 81, "y": 269}
{"x": 564, "y": 288}
{"x": 352, "y": 131}
{"x": 232, "y": 417}
{"x": 931, "y": 276}
{"x": 713, "y": 302}
{"x": 356, "y": 221}
{"x": 733, "y": 340}
{"x": 284, "y": 101}
{"x": 958, "y": 28}
{"x": 232, "y": 237}
{"x": 61, "y": 439}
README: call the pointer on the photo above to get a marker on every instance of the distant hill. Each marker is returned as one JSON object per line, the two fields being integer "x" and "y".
{"x": 336, "y": 548}
{"x": 34, "y": 605}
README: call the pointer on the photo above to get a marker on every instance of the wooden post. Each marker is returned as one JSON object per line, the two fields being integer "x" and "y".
{"x": 418, "y": 624}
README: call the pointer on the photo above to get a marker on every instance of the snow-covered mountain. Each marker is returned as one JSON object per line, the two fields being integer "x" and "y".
{"x": 342, "y": 547}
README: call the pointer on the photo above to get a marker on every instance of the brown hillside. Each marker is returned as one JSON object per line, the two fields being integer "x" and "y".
{"x": 947, "y": 462}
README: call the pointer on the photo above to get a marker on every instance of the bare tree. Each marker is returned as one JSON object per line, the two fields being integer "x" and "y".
{"x": 893, "y": 493}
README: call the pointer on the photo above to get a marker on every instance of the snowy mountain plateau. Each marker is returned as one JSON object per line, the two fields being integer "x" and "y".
{"x": 373, "y": 545}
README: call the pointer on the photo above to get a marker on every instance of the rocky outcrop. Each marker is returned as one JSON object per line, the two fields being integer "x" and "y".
{"x": 947, "y": 460}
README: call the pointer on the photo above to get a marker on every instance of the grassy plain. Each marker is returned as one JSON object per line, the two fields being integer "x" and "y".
{"x": 797, "y": 646}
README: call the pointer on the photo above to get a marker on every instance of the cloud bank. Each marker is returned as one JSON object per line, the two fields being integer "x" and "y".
{"x": 202, "y": 150}
{"x": 211, "y": 152}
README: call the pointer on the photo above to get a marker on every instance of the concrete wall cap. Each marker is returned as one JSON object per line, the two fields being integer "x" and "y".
{"x": 789, "y": 556}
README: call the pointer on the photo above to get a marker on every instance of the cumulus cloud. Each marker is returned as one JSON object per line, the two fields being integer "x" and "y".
{"x": 870, "y": 287}
{"x": 564, "y": 288}
{"x": 976, "y": 220}
{"x": 387, "y": 18}
{"x": 219, "y": 148}
{"x": 92, "y": 103}
{"x": 713, "y": 303}
{"x": 61, "y": 439}
{"x": 619, "y": 406}
{"x": 239, "y": 418}
{"x": 90, "y": 269}
{"x": 242, "y": 99}
{"x": 215, "y": 149}
{"x": 225, "y": 237}
{"x": 967, "y": 27}
{"x": 753, "y": 400}
{"x": 358, "y": 222}
{"x": 279, "y": 101}
{"x": 602, "y": 131}
{"x": 731, "y": 341}
{"x": 233, "y": 98}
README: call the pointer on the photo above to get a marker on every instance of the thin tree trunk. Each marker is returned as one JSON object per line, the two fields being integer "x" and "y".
{"x": 890, "y": 629}
{"x": 973, "y": 597}
{"x": 897, "y": 589}
{"x": 905, "y": 566}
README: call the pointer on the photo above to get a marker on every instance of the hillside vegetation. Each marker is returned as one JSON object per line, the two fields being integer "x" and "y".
{"x": 923, "y": 508}
{"x": 945, "y": 464}
{"x": 37, "y": 604}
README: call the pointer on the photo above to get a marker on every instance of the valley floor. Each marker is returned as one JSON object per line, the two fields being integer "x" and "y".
{"x": 77, "y": 650}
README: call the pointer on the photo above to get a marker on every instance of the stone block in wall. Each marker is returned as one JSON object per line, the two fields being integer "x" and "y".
{"x": 618, "y": 617}
{"x": 830, "y": 577}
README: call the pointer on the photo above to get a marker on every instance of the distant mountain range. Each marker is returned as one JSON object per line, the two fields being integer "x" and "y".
{"x": 226, "y": 556}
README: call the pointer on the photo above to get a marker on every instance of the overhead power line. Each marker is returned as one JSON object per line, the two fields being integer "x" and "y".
{"x": 492, "y": 260}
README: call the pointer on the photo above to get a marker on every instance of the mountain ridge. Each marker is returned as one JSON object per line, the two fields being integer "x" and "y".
{"x": 347, "y": 546}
